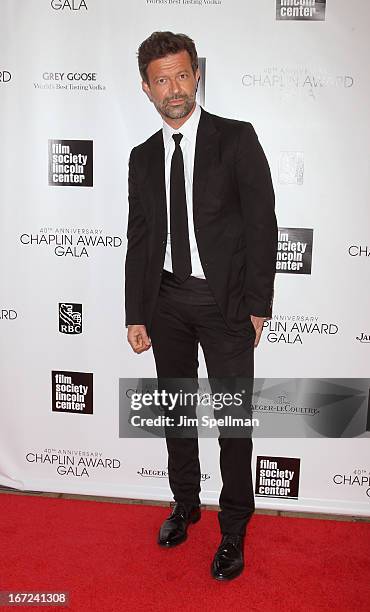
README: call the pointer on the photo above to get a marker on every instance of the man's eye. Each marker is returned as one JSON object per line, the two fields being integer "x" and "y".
{"x": 183, "y": 75}
{"x": 161, "y": 81}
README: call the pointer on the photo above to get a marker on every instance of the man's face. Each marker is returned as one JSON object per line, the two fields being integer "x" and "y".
{"x": 172, "y": 85}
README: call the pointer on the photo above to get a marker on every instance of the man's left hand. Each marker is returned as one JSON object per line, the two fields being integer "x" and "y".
{"x": 258, "y": 326}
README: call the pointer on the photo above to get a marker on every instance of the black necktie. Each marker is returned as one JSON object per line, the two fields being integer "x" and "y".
{"x": 180, "y": 246}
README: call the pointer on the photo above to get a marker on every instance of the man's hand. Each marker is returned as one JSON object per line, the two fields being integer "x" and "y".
{"x": 138, "y": 338}
{"x": 258, "y": 326}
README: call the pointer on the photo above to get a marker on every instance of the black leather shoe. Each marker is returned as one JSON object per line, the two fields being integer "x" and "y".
{"x": 173, "y": 530}
{"x": 228, "y": 561}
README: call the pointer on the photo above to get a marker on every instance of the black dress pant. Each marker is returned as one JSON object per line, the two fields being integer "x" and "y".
{"x": 185, "y": 315}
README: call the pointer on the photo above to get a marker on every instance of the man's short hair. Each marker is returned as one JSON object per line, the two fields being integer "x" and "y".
{"x": 160, "y": 44}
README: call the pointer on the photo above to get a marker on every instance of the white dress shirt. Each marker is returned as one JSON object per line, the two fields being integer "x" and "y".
{"x": 187, "y": 144}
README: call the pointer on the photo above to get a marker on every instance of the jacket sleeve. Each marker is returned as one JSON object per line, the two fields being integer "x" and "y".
{"x": 136, "y": 251}
{"x": 257, "y": 200}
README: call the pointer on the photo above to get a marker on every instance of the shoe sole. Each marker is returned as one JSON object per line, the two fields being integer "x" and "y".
{"x": 172, "y": 544}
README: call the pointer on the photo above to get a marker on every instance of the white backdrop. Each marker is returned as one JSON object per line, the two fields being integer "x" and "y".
{"x": 304, "y": 86}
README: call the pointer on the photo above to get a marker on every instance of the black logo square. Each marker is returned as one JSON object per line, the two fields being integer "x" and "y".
{"x": 70, "y": 318}
{"x": 72, "y": 392}
{"x": 71, "y": 163}
{"x": 300, "y": 10}
{"x": 294, "y": 254}
{"x": 277, "y": 477}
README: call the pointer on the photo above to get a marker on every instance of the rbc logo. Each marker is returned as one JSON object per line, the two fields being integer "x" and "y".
{"x": 70, "y": 318}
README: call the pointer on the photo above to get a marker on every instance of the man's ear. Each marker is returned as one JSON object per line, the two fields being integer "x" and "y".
{"x": 146, "y": 89}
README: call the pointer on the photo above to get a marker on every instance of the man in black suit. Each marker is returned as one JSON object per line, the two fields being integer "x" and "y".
{"x": 200, "y": 266}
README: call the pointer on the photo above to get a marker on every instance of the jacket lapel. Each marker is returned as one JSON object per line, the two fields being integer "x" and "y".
{"x": 156, "y": 181}
{"x": 206, "y": 154}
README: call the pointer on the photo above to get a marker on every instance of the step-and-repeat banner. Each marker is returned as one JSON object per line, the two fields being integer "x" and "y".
{"x": 71, "y": 110}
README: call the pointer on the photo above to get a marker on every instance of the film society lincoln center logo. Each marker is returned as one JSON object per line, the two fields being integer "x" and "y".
{"x": 300, "y": 10}
{"x": 294, "y": 255}
{"x": 277, "y": 477}
{"x": 72, "y": 392}
{"x": 71, "y": 163}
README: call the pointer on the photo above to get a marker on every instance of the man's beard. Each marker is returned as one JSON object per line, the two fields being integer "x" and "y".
{"x": 176, "y": 112}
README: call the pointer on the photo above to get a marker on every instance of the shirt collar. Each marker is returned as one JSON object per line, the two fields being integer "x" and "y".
{"x": 188, "y": 129}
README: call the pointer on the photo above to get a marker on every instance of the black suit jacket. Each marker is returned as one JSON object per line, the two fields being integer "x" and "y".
{"x": 234, "y": 221}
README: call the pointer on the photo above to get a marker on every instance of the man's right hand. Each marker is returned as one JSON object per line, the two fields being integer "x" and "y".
{"x": 138, "y": 338}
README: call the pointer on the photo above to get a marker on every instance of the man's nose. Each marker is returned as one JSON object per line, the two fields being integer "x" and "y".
{"x": 175, "y": 86}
